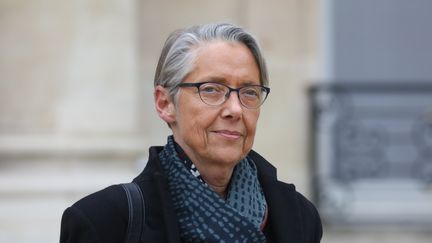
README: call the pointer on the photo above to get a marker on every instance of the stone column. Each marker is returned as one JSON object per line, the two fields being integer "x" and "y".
{"x": 69, "y": 101}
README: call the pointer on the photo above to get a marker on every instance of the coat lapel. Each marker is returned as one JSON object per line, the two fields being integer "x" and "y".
{"x": 284, "y": 218}
{"x": 173, "y": 234}
{"x": 163, "y": 200}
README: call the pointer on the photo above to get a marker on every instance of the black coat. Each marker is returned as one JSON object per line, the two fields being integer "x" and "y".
{"x": 102, "y": 216}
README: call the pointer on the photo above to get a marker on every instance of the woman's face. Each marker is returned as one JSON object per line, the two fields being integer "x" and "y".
{"x": 217, "y": 135}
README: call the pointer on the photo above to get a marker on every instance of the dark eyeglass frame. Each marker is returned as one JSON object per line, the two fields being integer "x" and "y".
{"x": 228, "y": 94}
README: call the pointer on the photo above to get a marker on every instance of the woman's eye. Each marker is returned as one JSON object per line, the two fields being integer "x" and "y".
{"x": 211, "y": 89}
{"x": 251, "y": 93}
{"x": 208, "y": 89}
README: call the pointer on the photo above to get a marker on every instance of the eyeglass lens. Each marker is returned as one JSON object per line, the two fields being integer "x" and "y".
{"x": 216, "y": 94}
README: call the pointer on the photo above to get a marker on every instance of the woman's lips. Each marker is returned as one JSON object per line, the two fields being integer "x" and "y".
{"x": 229, "y": 134}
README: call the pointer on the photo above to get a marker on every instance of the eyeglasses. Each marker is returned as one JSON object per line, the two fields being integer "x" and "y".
{"x": 214, "y": 94}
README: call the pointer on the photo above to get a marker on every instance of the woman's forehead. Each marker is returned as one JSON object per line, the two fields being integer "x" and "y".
{"x": 224, "y": 61}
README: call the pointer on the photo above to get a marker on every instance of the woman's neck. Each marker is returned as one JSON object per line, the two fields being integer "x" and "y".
{"x": 217, "y": 178}
{"x": 217, "y": 175}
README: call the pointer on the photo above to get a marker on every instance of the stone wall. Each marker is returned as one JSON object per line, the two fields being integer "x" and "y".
{"x": 69, "y": 107}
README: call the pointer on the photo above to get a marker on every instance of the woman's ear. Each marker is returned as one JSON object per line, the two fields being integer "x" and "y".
{"x": 164, "y": 104}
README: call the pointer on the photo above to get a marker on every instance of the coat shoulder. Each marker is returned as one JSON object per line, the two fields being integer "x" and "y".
{"x": 310, "y": 218}
{"x": 292, "y": 217}
{"x": 98, "y": 217}
{"x": 108, "y": 199}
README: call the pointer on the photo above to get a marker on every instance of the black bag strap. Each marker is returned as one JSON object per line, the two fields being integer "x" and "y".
{"x": 136, "y": 212}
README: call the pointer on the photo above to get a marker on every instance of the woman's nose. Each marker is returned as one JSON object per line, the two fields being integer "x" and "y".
{"x": 232, "y": 105}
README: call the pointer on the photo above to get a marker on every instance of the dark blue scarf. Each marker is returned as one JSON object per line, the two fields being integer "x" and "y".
{"x": 203, "y": 216}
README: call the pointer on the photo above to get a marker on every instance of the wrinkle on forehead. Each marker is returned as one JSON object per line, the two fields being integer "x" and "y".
{"x": 240, "y": 71}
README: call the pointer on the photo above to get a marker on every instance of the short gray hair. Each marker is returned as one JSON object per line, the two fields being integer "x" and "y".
{"x": 177, "y": 57}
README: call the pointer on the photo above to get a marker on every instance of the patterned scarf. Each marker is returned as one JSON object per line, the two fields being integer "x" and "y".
{"x": 203, "y": 216}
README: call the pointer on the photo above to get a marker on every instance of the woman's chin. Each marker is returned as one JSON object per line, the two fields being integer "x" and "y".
{"x": 229, "y": 156}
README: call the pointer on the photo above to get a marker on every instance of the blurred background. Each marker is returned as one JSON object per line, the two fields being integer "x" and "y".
{"x": 348, "y": 121}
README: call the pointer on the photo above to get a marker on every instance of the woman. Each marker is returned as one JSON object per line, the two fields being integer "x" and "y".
{"x": 205, "y": 184}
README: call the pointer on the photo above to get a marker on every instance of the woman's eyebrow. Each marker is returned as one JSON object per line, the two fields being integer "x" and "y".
{"x": 251, "y": 83}
{"x": 214, "y": 79}
{"x": 224, "y": 81}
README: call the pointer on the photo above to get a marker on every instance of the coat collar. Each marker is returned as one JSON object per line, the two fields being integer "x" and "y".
{"x": 153, "y": 171}
{"x": 284, "y": 219}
